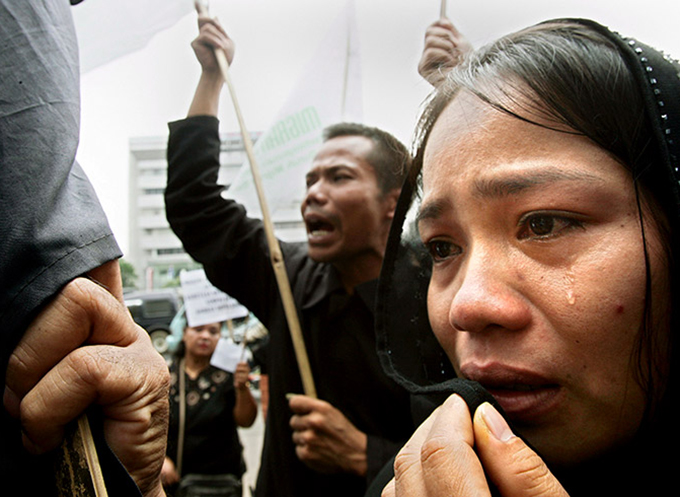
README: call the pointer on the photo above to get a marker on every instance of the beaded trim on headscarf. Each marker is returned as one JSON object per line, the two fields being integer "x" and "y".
{"x": 658, "y": 77}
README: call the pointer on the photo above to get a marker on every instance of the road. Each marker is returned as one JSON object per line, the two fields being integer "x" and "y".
{"x": 251, "y": 438}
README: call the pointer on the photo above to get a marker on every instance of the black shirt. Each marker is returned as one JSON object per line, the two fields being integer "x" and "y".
{"x": 211, "y": 443}
{"x": 337, "y": 327}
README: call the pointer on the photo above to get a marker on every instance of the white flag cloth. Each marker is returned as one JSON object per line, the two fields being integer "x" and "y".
{"x": 328, "y": 91}
{"x": 108, "y": 29}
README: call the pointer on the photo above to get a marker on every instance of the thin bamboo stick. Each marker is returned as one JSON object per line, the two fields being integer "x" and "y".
{"x": 274, "y": 248}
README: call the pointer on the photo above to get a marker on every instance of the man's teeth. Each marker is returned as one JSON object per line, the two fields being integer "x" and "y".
{"x": 319, "y": 232}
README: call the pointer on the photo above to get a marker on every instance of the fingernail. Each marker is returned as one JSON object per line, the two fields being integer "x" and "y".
{"x": 497, "y": 425}
{"x": 290, "y": 396}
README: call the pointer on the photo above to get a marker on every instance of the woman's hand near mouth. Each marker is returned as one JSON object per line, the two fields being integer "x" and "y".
{"x": 453, "y": 454}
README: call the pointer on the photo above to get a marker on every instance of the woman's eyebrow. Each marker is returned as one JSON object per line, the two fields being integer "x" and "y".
{"x": 510, "y": 185}
{"x": 516, "y": 183}
{"x": 431, "y": 210}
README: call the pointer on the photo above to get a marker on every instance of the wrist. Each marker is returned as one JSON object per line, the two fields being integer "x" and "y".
{"x": 359, "y": 462}
{"x": 156, "y": 491}
{"x": 212, "y": 77}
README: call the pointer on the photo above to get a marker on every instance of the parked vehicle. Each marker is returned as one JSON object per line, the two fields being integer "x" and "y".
{"x": 154, "y": 311}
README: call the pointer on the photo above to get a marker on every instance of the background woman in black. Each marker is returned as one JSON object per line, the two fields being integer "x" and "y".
{"x": 216, "y": 403}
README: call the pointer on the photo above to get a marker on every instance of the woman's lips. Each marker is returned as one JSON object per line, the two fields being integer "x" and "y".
{"x": 524, "y": 395}
{"x": 524, "y": 404}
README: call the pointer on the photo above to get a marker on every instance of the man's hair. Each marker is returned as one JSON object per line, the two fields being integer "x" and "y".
{"x": 389, "y": 157}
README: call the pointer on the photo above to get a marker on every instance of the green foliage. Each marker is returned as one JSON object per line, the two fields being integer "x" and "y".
{"x": 128, "y": 274}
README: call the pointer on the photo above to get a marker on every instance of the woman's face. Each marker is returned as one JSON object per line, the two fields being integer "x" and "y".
{"x": 538, "y": 283}
{"x": 200, "y": 341}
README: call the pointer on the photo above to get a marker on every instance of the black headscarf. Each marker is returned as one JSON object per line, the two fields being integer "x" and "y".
{"x": 407, "y": 347}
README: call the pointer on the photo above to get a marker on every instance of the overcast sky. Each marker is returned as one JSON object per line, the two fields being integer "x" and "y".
{"x": 136, "y": 95}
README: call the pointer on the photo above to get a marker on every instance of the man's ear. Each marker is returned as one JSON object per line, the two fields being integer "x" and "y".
{"x": 391, "y": 199}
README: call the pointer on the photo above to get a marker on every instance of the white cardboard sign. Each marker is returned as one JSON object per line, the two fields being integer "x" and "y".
{"x": 228, "y": 354}
{"x": 204, "y": 303}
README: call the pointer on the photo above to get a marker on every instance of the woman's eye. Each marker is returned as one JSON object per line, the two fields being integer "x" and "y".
{"x": 545, "y": 225}
{"x": 440, "y": 250}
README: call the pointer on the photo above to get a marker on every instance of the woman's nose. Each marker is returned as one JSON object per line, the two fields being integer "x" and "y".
{"x": 488, "y": 296}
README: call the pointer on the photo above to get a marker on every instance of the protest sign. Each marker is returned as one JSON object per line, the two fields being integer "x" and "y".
{"x": 228, "y": 354}
{"x": 204, "y": 303}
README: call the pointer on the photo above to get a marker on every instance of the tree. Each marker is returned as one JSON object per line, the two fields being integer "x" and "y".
{"x": 128, "y": 274}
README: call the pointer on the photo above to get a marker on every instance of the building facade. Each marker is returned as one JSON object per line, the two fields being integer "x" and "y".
{"x": 155, "y": 252}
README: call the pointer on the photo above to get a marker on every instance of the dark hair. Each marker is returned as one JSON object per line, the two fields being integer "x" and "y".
{"x": 389, "y": 157}
{"x": 571, "y": 76}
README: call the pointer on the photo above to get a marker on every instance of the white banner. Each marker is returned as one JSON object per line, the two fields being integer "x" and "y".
{"x": 328, "y": 91}
{"x": 203, "y": 303}
{"x": 108, "y": 29}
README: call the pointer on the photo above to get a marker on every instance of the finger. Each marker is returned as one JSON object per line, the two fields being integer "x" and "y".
{"x": 203, "y": 19}
{"x": 408, "y": 477}
{"x": 389, "y": 490}
{"x": 441, "y": 36}
{"x": 514, "y": 468}
{"x": 213, "y": 38}
{"x": 297, "y": 423}
{"x": 312, "y": 421}
{"x": 302, "y": 404}
{"x": 450, "y": 465}
{"x": 447, "y": 25}
{"x": 436, "y": 58}
{"x": 218, "y": 25}
{"x": 95, "y": 374}
{"x": 302, "y": 437}
{"x": 82, "y": 312}
{"x": 446, "y": 47}
{"x": 442, "y": 23}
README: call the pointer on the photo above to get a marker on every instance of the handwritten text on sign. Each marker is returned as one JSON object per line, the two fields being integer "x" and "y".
{"x": 206, "y": 304}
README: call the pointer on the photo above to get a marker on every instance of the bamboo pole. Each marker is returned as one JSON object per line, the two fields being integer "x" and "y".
{"x": 92, "y": 458}
{"x": 77, "y": 468}
{"x": 274, "y": 248}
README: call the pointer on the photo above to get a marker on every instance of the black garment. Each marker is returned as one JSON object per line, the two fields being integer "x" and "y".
{"x": 211, "y": 442}
{"x": 337, "y": 327}
{"x": 52, "y": 228}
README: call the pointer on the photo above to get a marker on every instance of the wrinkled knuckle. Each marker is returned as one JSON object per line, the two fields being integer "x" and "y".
{"x": 84, "y": 296}
{"x": 18, "y": 364}
{"x": 404, "y": 464}
{"x": 302, "y": 452}
{"x": 86, "y": 365}
{"x": 315, "y": 421}
{"x": 435, "y": 452}
{"x": 34, "y": 410}
{"x": 535, "y": 474}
